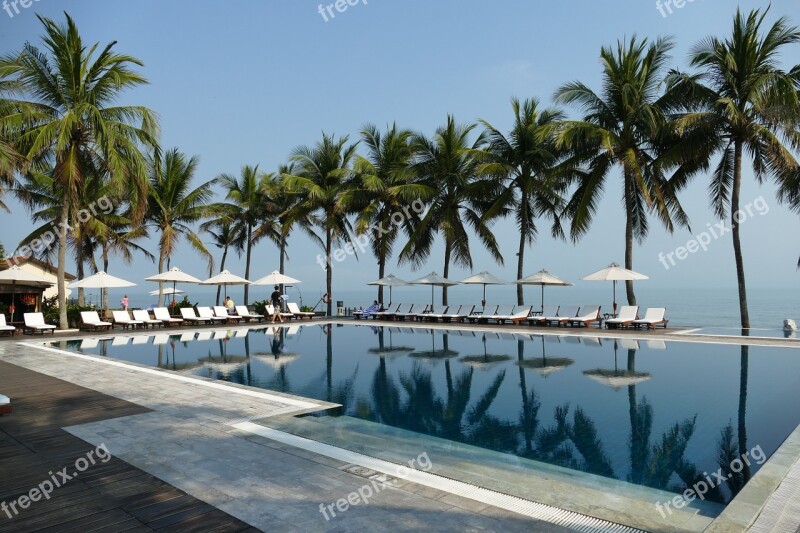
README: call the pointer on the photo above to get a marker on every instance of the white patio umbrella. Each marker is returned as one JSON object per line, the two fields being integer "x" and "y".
{"x": 614, "y": 272}
{"x": 16, "y": 275}
{"x": 167, "y": 291}
{"x": 225, "y": 278}
{"x": 434, "y": 280}
{"x": 484, "y": 278}
{"x": 542, "y": 278}
{"x": 101, "y": 281}
{"x": 174, "y": 275}
{"x": 390, "y": 281}
{"x": 276, "y": 278}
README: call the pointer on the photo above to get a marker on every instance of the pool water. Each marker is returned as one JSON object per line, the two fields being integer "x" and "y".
{"x": 746, "y": 332}
{"x": 643, "y": 412}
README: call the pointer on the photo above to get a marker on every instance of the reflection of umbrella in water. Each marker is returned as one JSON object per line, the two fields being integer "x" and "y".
{"x": 382, "y": 349}
{"x": 486, "y": 360}
{"x": 433, "y": 353}
{"x": 617, "y": 378}
{"x": 546, "y": 365}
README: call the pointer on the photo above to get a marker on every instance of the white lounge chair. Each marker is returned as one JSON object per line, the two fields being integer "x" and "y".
{"x": 540, "y": 319}
{"x": 242, "y": 311}
{"x": 588, "y": 314}
{"x": 295, "y": 310}
{"x": 482, "y": 315}
{"x": 653, "y": 317}
{"x": 5, "y": 328}
{"x": 431, "y": 313}
{"x": 389, "y": 313}
{"x": 90, "y": 321}
{"x": 457, "y": 314}
{"x": 502, "y": 311}
{"x": 270, "y": 309}
{"x": 565, "y": 314}
{"x": 205, "y": 313}
{"x": 189, "y": 315}
{"x": 412, "y": 313}
{"x": 221, "y": 312}
{"x": 162, "y": 314}
{"x": 34, "y": 322}
{"x": 122, "y": 318}
{"x": 144, "y": 317}
{"x": 627, "y": 314}
{"x": 517, "y": 315}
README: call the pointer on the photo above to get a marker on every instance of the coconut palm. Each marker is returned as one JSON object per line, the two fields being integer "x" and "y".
{"x": 447, "y": 171}
{"x": 224, "y": 237}
{"x": 174, "y": 206}
{"x": 248, "y": 209}
{"x": 626, "y": 126}
{"x": 322, "y": 174}
{"x": 528, "y": 163}
{"x": 77, "y": 126}
{"x": 384, "y": 186}
{"x": 740, "y": 102}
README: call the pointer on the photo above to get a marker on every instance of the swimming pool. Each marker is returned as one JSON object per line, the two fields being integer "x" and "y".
{"x": 648, "y": 416}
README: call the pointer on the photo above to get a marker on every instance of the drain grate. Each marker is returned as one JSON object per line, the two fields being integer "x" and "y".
{"x": 537, "y": 511}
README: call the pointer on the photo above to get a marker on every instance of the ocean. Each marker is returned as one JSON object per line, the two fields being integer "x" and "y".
{"x": 685, "y": 307}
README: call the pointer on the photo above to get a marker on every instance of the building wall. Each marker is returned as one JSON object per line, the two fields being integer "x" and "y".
{"x": 46, "y": 274}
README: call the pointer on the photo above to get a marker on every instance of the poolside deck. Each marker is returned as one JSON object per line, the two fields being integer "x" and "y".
{"x": 112, "y": 495}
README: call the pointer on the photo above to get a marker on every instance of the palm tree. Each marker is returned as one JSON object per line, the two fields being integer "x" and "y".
{"x": 447, "y": 171}
{"x": 76, "y": 125}
{"x": 223, "y": 236}
{"x": 742, "y": 101}
{"x": 249, "y": 209}
{"x": 322, "y": 174}
{"x": 173, "y": 205}
{"x": 626, "y": 126}
{"x": 528, "y": 163}
{"x": 384, "y": 186}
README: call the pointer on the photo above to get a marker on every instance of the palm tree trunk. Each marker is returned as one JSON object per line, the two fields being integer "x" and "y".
{"x": 446, "y": 269}
{"x": 737, "y": 245}
{"x": 161, "y": 259}
{"x": 629, "y": 238}
{"x": 247, "y": 263}
{"x": 381, "y": 274}
{"x": 329, "y": 269}
{"x": 62, "y": 264}
{"x": 523, "y": 237}
{"x": 282, "y": 259}
{"x": 222, "y": 267}
{"x": 105, "y": 269}
{"x": 79, "y": 267}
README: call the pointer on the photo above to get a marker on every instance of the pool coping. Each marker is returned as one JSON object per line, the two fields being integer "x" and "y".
{"x": 741, "y": 513}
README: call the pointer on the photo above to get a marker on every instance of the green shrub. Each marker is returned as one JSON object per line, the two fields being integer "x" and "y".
{"x": 260, "y": 307}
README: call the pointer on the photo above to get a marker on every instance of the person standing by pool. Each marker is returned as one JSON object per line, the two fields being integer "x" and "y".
{"x": 124, "y": 303}
{"x": 276, "y": 304}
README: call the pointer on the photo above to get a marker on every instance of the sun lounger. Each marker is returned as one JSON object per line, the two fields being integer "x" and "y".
{"x": 5, "y": 404}
{"x": 402, "y": 309}
{"x": 540, "y": 318}
{"x": 565, "y": 314}
{"x": 627, "y": 314}
{"x": 295, "y": 310}
{"x": 385, "y": 314}
{"x": 34, "y": 322}
{"x": 90, "y": 321}
{"x": 89, "y": 344}
{"x": 480, "y": 315}
{"x": 502, "y": 311}
{"x": 144, "y": 317}
{"x": 4, "y": 328}
{"x": 205, "y": 313}
{"x": 588, "y": 314}
{"x": 162, "y": 314}
{"x": 412, "y": 313}
{"x": 517, "y": 315}
{"x": 189, "y": 315}
{"x": 431, "y": 313}
{"x": 457, "y": 315}
{"x": 242, "y": 311}
{"x": 653, "y": 317}
{"x": 271, "y": 311}
{"x": 122, "y": 318}
{"x": 221, "y": 312}
{"x": 370, "y": 311}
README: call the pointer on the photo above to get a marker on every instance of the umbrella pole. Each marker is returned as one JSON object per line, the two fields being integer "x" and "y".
{"x": 615, "y": 297}
{"x": 174, "y": 283}
{"x": 542, "y": 298}
{"x": 13, "y": 295}
{"x": 484, "y": 295}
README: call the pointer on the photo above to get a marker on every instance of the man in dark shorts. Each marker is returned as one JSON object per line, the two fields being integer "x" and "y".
{"x": 276, "y": 304}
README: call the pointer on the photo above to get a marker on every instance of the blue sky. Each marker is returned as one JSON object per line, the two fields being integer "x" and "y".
{"x": 244, "y": 82}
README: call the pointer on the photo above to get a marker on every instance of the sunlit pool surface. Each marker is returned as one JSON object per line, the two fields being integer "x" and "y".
{"x": 756, "y": 333}
{"x": 650, "y": 413}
